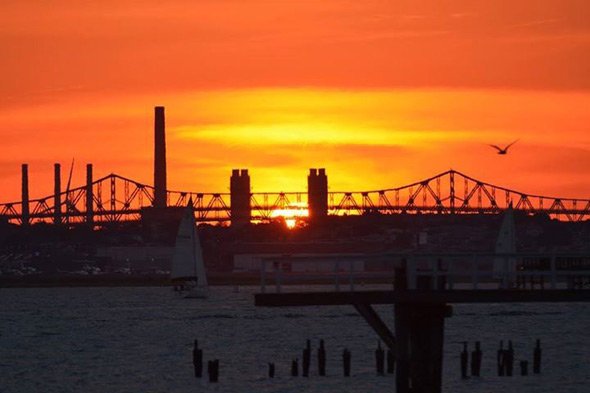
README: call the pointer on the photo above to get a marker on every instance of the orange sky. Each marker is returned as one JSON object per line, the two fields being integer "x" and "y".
{"x": 380, "y": 93}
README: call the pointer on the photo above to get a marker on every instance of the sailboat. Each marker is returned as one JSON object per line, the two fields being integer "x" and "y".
{"x": 188, "y": 269}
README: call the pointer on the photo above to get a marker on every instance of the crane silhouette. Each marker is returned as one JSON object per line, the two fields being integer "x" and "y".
{"x": 504, "y": 150}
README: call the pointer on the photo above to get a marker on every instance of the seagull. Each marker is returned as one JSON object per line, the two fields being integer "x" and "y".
{"x": 504, "y": 150}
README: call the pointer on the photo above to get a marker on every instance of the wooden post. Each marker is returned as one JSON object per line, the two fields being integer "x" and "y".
{"x": 380, "y": 359}
{"x": 306, "y": 359}
{"x": 509, "y": 359}
{"x": 500, "y": 363}
{"x": 464, "y": 360}
{"x": 271, "y": 370}
{"x": 346, "y": 362}
{"x": 476, "y": 360}
{"x": 524, "y": 367}
{"x": 213, "y": 370}
{"x": 322, "y": 359}
{"x": 537, "y": 358}
{"x": 295, "y": 367}
{"x": 198, "y": 360}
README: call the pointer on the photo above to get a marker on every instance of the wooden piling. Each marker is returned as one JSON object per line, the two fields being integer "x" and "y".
{"x": 306, "y": 359}
{"x": 537, "y": 358}
{"x": 509, "y": 359}
{"x": 295, "y": 368}
{"x": 322, "y": 359}
{"x": 380, "y": 359}
{"x": 524, "y": 367}
{"x": 271, "y": 370}
{"x": 213, "y": 370}
{"x": 198, "y": 360}
{"x": 500, "y": 363}
{"x": 464, "y": 360}
{"x": 346, "y": 358}
{"x": 476, "y": 360}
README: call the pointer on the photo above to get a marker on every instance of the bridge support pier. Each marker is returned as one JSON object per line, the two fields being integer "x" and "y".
{"x": 240, "y": 210}
{"x": 317, "y": 194}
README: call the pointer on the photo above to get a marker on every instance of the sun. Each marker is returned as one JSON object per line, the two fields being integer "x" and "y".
{"x": 292, "y": 213}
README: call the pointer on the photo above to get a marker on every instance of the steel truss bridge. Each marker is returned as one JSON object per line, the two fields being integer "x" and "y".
{"x": 116, "y": 199}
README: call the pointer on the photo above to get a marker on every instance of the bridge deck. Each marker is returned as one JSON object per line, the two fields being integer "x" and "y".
{"x": 416, "y": 296}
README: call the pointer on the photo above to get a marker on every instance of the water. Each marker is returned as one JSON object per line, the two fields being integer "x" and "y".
{"x": 140, "y": 340}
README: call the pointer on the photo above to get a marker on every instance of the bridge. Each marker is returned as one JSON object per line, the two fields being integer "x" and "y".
{"x": 114, "y": 198}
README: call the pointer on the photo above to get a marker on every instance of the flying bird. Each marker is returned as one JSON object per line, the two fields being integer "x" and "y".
{"x": 504, "y": 150}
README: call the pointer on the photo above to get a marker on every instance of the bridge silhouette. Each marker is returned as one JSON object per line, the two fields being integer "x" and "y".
{"x": 114, "y": 199}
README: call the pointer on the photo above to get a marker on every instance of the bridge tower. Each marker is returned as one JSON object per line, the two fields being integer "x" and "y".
{"x": 159, "y": 157}
{"x": 89, "y": 197}
{"x": 57, "y": 194}
{"x": 26, "y": 217}
{"x": 317, "y": 194}
{"x": 240, "y": 197}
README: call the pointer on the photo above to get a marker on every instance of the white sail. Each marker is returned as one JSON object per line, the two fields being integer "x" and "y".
{"x": 506, "y": 244}
{"x": 200, "y": 263}
{"x": 187, "y": 263}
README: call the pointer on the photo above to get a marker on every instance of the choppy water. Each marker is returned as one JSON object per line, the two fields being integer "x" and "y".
{"x": 140, "y": 340}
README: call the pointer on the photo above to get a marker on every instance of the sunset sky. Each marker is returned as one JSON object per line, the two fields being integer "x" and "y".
{"x": 380, "y": 93}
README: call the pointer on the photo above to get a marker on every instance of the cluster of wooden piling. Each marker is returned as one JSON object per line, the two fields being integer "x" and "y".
{"x": 380, "y": 362}
{"x": 212, "y": 365}
{"x": 504, "y": 360}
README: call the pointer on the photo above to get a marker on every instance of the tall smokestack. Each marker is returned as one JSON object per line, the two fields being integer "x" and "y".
{"x": 25, "y": 195}
{"x": 89, "y": 196}
{"x": 57, "y": 194}
{"x": 159, "y": 158}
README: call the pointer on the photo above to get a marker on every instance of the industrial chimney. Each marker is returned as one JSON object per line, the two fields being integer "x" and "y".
{"x": 159, "y": 158}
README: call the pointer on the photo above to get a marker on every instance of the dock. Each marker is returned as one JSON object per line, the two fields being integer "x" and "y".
{"x": 423, "y": 289}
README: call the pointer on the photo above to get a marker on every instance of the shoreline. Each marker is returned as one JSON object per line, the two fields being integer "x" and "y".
{"x": 111, "y": 280}
{"x": 119, "y": 280}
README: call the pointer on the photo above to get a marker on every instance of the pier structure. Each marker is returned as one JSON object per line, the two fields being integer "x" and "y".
{"x": 422, "y": 288}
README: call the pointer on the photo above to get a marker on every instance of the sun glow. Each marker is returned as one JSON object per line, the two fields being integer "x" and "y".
{"x": 292, "y": 213}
